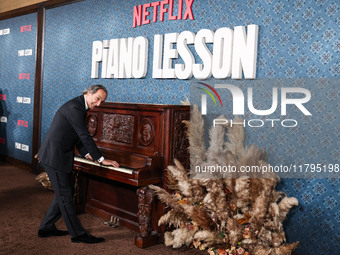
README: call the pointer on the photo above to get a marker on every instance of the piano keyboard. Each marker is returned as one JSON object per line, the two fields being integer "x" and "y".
{"x": 122, "y": 170}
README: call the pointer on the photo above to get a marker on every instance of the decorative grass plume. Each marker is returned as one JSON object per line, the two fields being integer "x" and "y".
{"x": 229, "y": 215}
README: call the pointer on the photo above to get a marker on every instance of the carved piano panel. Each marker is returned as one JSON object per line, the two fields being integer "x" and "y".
{"x": 118, "y": 128}
{"x": 148, "y": 134}
{"x": 144, "y": 139}
{"x": 92, "y": 124}
{"x": 129, "y": 131}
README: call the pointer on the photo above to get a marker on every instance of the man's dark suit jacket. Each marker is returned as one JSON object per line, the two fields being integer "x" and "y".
{"x": 68, "y": 129}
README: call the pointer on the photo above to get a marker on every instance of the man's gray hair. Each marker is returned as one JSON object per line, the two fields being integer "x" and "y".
{"x": 94, "y": 88}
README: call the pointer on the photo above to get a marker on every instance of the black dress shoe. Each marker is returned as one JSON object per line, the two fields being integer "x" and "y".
{"x": 54, "y": 232}
{"x": 87, "y": 238}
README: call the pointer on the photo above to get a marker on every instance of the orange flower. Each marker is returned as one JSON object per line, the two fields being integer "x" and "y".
{"x": 244, "y": 220}
{"x": 221, "y": 252}
{"x": 184, "y": 201}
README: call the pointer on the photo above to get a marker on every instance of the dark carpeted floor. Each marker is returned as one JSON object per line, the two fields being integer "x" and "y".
{"x": 23, "y": 203}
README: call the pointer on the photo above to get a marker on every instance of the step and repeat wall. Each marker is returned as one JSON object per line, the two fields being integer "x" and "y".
{"x": 140, "y": 52}
{"x": 17, "y": 67}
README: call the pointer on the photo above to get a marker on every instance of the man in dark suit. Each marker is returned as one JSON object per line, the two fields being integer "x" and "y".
{"x": 68, "y": 129}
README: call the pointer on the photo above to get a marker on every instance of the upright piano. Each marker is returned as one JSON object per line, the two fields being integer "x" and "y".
{"x": 144, "y": 139}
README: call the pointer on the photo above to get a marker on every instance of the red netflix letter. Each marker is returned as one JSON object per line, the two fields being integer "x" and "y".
{"x": 137, "y": 15}
{"x": 162, "y": 9}
{"x": 155, "y": 4}
{"x": 171, "y": 11}
{"x": 180, "y": 8}
{"x": 146, "y": 13}
{"x": 188, "y": 11}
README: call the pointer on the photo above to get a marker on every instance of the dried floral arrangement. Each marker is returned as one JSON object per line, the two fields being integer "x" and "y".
{"x": 44, "y": 180}
{"x": 234, "y": 215}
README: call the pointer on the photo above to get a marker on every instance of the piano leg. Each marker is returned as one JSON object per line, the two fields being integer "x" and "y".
{"x": 146, "y": 237}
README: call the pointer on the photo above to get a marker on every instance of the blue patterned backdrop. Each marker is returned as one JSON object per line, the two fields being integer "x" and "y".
{"x": 297, "y": 39}
{"x": 11, "y": 66}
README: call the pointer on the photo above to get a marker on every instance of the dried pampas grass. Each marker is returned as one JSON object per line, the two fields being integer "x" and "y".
{"x": 237, "y": 214}
{"x": 179, "y": 237}
{"x": 196, "y": 139}
{"x": 44, "y": 180}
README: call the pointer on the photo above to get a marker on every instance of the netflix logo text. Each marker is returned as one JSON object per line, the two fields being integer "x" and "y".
{"x": 141, "y": 12}
{"x": 25, "y": 28}
{"x": 22, "y": 123}
{"x": 24, "y": 76}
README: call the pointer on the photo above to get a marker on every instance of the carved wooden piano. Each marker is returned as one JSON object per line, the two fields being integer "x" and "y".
{"x": 144, "y": 139}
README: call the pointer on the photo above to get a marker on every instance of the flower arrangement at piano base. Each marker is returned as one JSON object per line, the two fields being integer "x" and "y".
{"x": 240, "y": 215}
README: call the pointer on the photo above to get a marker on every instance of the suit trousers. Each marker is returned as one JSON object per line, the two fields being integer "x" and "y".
{"x": 62, "y": 204}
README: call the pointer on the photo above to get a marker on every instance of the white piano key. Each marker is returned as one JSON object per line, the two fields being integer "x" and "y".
{"x": 122, "y": 170}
